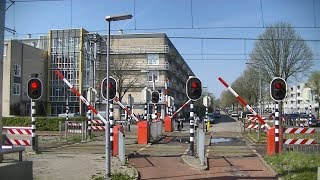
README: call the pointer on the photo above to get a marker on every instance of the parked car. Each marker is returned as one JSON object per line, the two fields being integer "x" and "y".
{"x": 314, "y": 122}
{"x": 69, "y": 115}
{"x": 216, "y": 114}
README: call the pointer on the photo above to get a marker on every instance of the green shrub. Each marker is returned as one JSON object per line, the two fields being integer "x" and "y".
{"x": 42, "y": 123}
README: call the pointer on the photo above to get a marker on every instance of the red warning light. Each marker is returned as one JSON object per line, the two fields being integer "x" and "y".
{"x": 194, "y": 85}
{"x": 109, "y": 85}
{"x": 278, "y": 86}
{"x": 34, "y": 85}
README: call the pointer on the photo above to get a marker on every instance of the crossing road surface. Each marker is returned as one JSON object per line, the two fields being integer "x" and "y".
{"x": 229, "y": 157}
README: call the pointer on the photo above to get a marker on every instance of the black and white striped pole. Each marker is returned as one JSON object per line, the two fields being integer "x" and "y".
{"x": 278, "y": 91}
{"x": 145, "y": 111}
{"x": 276, "y": 127}
{"x": 191, "y": 130}
{"x": 206, "y": 103}
{"x": 89, "y": 123}
{"x": 155, "y": 111}
{"x": 33, "y": 124}
{"x": 111, "y": 118}
{"x": 206, "y": 120}
{"x": 128, "y": 117}
{"x": 67, "y": 107}
{"x": 310, "y": 114}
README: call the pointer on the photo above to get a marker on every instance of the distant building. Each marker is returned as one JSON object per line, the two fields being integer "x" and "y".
{"x": 298, "y": 100}
{"x": 20, "y": 62}
{"x": 149, "y": 60}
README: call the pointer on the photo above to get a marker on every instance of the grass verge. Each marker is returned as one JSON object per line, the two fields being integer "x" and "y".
{"x": 295, "y": 165}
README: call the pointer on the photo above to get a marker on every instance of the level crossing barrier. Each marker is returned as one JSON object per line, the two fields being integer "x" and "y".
{"x": 301, "y": 139}
{"x": 72, "y": 128}
{"x": 18, "y": 136}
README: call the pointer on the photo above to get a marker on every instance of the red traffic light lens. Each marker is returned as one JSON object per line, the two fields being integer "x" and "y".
{"x": 34, "y": 85}
{"x": 278, "y": 86}
{"x": 109, "y": 85}
{"x": 194, "y": 85}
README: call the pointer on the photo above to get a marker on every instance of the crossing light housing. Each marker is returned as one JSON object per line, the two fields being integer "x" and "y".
{"x": 278, "y": 89}
{"x": 111, "y": 87}
{"x": 194, "y": 88}
{"x": 155, "y": 97}
{"x": 34, "y": 88}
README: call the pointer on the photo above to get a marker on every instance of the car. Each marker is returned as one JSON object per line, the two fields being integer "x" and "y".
{"x": 211, "y": 118}
{"x": 69, "y": 115}
{"x": 216, "y": 114}
{"x": 314, "y": 121}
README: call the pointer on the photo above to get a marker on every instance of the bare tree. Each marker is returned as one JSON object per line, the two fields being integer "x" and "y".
{"x": 314, "y": 84}
{"x": 281, "y": 52}
{"x": 123, "y": 69}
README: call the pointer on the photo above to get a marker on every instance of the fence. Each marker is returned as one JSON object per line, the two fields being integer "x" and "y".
{"x": 73, "y": 129}
{"x": 301, "y": 139}
{"x": 20, "y": 136}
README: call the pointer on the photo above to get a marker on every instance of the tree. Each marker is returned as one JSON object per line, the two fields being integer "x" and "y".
{"x": 281, "y": 52}
{"x": 124, "y": 70}
{"x": 314, "y": 84}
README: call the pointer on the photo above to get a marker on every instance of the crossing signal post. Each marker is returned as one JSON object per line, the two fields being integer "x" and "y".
{"x": 278, "y": 91}
{"x": 155, "y": 97}
{"x": 111, "y": 87}
{"x": 34, "y": 93}
{"x": 34, "y": 88}
{"x": 194, "y": 88}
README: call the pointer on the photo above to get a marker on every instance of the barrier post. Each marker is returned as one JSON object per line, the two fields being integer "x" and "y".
{"x": 33, "y": 125}
{"x": 191, "y": 130}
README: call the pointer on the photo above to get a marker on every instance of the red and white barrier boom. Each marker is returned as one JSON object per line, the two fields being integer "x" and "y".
{"x": 243, "y": 102}
{"x": 184, "y": 105}
{"x": 126, "y": 109}
{"x": 75, "y": 91}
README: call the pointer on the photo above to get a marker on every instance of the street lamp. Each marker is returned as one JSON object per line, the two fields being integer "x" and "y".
{"x": 107, "y": 131}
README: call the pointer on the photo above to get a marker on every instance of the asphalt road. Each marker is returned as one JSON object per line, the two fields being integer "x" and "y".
{"x": 229, "y": 156}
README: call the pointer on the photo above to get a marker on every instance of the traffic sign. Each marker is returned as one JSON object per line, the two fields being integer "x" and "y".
{"x": 145, "y": 95}
{"x": 206, "y": 101}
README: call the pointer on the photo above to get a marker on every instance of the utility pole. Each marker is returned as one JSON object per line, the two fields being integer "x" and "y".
{"x": 2, "y": 24}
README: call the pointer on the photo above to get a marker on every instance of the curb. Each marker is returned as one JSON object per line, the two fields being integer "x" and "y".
{"x": 196, "y": 164}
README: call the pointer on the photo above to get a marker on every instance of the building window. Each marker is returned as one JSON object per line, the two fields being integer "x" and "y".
{"x": 298, "y": 87}
{"x": 153, "y": 59}
{"x": 5, "y": 47}
{"x": 298, "y": 94}
{"x": 155, "y": 75}
{"x": 16, "y": 70}
{"x": 16, "y": 89}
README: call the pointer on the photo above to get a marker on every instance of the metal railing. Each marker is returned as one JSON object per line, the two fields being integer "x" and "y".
{"x": 72, "y": 129}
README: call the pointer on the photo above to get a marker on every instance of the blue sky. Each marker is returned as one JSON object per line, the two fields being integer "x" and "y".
{"x": 208, "y": 58}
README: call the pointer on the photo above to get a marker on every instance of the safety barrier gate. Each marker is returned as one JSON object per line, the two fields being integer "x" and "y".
{"x": 301, "y": 139}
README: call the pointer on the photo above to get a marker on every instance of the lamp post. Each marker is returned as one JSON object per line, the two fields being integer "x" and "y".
{"x": 107, "y": 131}
{"x": 260, "y": 97}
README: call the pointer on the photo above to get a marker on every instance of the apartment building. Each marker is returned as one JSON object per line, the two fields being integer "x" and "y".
{"x": 299, "y": 98}
{"x": 20, "y": 63}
